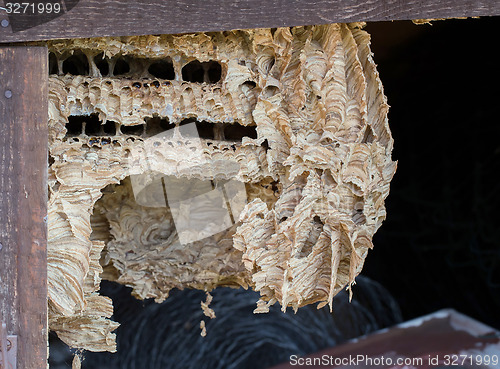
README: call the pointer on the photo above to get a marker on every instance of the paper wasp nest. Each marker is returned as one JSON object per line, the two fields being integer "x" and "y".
{"x": 257, "y": 158}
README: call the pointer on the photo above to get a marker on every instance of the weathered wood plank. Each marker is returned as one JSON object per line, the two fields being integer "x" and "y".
{"x": 23, "y": 199}
{"x": 423, "y": 341}
{"x": 91, "y": 18}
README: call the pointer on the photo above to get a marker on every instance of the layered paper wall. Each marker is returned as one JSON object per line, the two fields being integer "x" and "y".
{"x": 296, "y": 116}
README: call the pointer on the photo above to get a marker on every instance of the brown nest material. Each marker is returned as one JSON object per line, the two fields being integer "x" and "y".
{"x": 297, "y": 115}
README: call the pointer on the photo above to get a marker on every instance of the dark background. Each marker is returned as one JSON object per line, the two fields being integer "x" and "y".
{"x": 440, "y": 244}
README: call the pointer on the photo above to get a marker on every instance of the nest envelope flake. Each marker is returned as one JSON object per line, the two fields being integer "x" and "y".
{"x": 296, "y": 114}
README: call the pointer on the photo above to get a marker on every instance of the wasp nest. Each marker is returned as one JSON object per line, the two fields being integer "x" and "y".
{"x": 293, "y": 117}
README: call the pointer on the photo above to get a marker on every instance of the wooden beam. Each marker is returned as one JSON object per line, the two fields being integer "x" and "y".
{"x": 92, "y": 18}
{"x": 426, "y": 341}
{"x": 23, "y": 200}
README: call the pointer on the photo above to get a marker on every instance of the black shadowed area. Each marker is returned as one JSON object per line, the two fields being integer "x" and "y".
{"x": 439, "y": 247}
{"x": 167, "y": 335}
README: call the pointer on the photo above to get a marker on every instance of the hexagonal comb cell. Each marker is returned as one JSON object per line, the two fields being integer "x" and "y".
{"x": 295, "y": 116}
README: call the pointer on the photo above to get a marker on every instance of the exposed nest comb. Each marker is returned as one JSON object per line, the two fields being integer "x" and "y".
{"x": 296, "y": 116}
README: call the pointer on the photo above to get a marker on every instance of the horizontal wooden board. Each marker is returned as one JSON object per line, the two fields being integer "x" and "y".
{"x": 91, "y": 18}
{"x": 23, "y": 200}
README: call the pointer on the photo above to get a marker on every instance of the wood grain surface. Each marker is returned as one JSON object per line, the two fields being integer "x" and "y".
{"x": 23, "y": 200}
{"x": 91, "y": 18}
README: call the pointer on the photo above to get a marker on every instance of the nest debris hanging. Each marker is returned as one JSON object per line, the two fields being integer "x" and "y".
{"x": 297, "y": 115}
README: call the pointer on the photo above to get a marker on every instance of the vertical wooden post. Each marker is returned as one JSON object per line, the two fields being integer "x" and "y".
{"x": 23, "y": 200}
